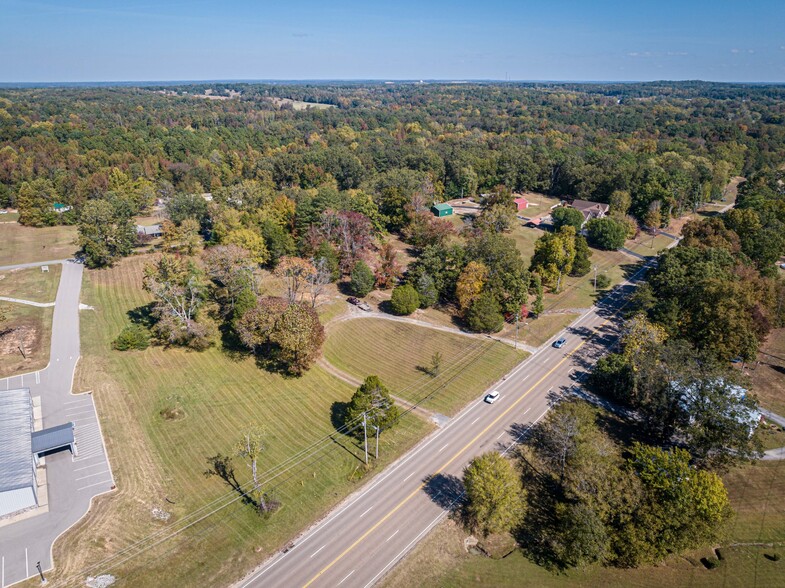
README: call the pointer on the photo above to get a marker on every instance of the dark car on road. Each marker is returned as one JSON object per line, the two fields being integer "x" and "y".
{"x": 559, "y": 343}
{"x": 361, "y": 304}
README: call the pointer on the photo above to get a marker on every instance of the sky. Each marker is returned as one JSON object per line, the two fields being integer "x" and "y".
{"x": 588, "y": 40}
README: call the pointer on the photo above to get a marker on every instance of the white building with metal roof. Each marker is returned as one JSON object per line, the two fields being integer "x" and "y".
{"x": 17, "y": 465}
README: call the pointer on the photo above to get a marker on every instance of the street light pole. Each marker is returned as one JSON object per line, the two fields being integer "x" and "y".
{"x": 517, "y": 318}
{"x": 40, "y": 571}
{"x": 595, "y": 277}
{"x": 377, "y": 442}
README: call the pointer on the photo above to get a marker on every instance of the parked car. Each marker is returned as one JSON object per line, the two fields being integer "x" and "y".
{"x": 559, "y": 343}
{"x": 782, "y": 265}
{"x": 361, "y": 304}
{"x": 492, "y": 397}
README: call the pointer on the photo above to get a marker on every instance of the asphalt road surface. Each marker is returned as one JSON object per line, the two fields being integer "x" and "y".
{"x": 73, "y": 481}
{"x": 374, "y": 528}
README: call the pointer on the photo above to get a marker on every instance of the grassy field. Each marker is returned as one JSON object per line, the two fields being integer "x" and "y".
{"x": 28, "y": 244}
{"x": 525, "y": 238}
{"x": 399, "y": 353}
{"x": 579, "y": 292}
{"x": 544, "y": 328}
{"x": 644, "y": 245}
{"x": 756, "y": 493}
{"x": 768, "y": 380}
{"x": 163, "y": 413}
{"x": 31, "y": 283}
{"x": 30, "y": 328}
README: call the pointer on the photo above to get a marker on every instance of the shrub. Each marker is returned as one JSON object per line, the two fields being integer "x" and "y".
{"x": 132, "y": 337}
{"x": 405, "y": 300}
{"x": 603, "y": 281}
{"x": 362, "y": 279}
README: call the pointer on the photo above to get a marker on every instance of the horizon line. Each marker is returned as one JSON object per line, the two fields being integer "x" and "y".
{"x": 86, "y": 83}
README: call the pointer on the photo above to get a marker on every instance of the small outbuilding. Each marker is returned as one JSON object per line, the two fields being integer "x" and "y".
{"x": 521, "y": 203}
{"x": 150, "y": 231}
{"x": 440, "y": 210}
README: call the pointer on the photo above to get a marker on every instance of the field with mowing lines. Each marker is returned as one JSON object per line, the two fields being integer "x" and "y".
{"x": 163, "y": 413}
{"x": 28, "y": 244}
{"x": 646, "y": 246}
{"x": 30, "y": 328}
{"x": 756, "y": 495}
{"x": 400, "y": 353}
{"x": 31, "y": 283}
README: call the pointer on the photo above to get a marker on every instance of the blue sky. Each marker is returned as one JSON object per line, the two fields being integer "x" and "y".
{"x": 94, "y": 40}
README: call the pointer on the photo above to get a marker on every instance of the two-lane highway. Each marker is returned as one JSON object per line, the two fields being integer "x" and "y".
{"x": 374, "y": 528}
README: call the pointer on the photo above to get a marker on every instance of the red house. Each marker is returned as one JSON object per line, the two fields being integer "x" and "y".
{"x": 521, "y": 203}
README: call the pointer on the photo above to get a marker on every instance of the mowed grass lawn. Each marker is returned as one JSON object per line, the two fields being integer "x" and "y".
{"x": 160, "y": 462}
{"x": 646, "y": 246}
{"x": 579, "y": 292}
{"x": 399, "y": 353}
{"x": 29, "y": 244}
{"x": 31, "y": 283}
{"x": 755, "y": 491}
{"x": 768, "y": 377}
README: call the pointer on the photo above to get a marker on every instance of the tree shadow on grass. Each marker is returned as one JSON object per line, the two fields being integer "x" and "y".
{"x": 142, "y": 315}
{"x": 222, "y": 466}
{"x": 445, "y": 490}
{"x": 231, "y": 345}
{"x": 345, "y": 438}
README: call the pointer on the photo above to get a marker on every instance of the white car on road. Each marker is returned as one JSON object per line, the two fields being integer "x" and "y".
{"x": 492, "y": 397}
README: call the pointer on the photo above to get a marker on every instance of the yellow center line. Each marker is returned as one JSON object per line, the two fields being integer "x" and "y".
{"x": 452, "y": 459}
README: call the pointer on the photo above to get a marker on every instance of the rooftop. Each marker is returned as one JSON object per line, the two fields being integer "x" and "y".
{"x": 16, "y": 424}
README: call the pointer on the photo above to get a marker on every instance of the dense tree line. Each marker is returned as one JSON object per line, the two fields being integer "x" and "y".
{"x": 673, "y": 146}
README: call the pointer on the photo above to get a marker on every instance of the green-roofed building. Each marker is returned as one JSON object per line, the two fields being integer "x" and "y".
{"x": 441, "y": 209}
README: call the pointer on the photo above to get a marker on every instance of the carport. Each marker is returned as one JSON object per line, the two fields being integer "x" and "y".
{"x": 52, "y": 439}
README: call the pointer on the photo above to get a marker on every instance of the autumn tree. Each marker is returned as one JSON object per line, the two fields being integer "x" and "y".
{"x": 495, "y": 498}
{"x": 251, "y": 241}
{"x": 285, "y": 336}
{"x": 388, "y": 270}
{"x": 180, "y": 290}
{"x": 232, "y": 269}
{"x": 470, "y": 284}
{"x": 296, "y": 274}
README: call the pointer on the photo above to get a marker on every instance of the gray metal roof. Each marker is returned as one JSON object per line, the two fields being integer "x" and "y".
{"x": 16, "y": 424}
{"x": 53, "y": 438}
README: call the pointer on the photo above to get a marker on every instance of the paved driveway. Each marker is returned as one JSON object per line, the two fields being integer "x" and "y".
{"x": 72, "y": 481}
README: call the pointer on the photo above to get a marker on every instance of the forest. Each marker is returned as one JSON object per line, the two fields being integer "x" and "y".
{"x": 672, "y": 146}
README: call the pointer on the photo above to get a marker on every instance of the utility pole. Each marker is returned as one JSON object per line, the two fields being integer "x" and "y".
{"x": 365, "y": 435}
{"x": 517, "y": 318}
{"x": 377, "y": 442}
{"x": 595, "y": 277}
